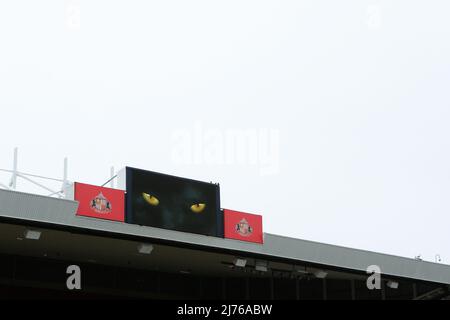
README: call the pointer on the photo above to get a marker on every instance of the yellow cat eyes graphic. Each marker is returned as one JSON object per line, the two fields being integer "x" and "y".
{"x": 198, "y": 207}
{"x": 154, "y": 201}
{"x": 151, "y": 200}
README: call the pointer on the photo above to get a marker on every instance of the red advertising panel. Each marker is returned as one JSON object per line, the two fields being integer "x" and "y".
{"x": 243, "y": 226}
{"x": 100, "y": 202}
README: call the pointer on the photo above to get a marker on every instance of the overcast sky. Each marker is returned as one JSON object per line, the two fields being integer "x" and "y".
{"x": 329, "y": 118}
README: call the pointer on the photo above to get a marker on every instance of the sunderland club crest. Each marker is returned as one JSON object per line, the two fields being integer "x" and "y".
{"x": 243, "y": 228}
{"x": 100, "y": 204}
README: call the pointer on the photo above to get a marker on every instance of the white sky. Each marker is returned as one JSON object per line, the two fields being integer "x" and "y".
{"x": 354, "y": 96}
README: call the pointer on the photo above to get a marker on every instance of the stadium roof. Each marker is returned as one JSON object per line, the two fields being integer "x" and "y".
{"x": 58, "y": 216}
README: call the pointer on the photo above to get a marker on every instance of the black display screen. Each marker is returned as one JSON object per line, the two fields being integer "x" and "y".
{"x": 169, "y": 202}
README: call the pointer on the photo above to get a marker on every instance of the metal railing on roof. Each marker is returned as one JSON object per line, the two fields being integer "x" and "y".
{"x": 31, "y": 178}
{"x": 43, "y": 183}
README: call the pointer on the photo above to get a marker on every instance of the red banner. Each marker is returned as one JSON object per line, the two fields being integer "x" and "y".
{"x": 100, "y": 202}
{"x": 243, "y": 226}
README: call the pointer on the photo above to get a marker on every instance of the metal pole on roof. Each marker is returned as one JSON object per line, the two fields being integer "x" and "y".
{"x": 65, "y": 173}
{"x": 13, "y": 183}
{"x": 66, "y": 164}
{"x": 65, "y": 182}
{"x": 112, "y": 177}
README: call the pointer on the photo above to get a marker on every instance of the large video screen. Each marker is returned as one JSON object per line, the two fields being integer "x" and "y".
{"x": 169, "y": 202}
